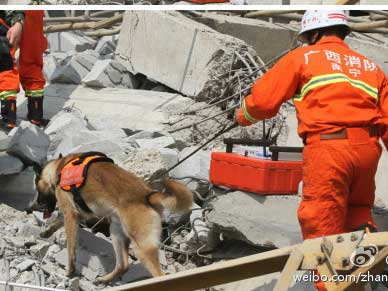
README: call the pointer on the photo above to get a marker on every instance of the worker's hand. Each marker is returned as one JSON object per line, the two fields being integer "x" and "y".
{"x": 14, "y": 34}
{"x": 239, "y": 117}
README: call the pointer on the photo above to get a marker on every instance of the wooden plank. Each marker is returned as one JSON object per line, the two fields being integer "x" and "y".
{"x": 215, "y": 274}
{"x": 292, "y": 265}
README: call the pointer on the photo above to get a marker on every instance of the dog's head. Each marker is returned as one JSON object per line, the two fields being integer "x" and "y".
{"x": 46, "y": 181}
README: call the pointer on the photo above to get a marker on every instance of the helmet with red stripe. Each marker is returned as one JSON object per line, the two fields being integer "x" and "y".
{"x": 315, "y": 19}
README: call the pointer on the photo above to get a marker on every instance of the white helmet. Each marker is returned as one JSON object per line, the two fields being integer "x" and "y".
{"x": 313, "y": 19}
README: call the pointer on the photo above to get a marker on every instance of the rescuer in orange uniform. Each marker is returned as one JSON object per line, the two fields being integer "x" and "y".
{"x": 11, "y": 27}
{"x": 25, "y": 29}
{"x": 342, "y": 108}
{"x": 32, "y": 46}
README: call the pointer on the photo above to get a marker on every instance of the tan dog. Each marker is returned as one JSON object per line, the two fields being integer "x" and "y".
{"x": 132, "y": 207}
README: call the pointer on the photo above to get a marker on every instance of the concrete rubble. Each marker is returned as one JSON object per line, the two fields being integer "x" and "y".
{"x": 147, "y": 113}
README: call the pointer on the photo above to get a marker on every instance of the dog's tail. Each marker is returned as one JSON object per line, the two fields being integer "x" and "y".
{"x": 178, "y": 198}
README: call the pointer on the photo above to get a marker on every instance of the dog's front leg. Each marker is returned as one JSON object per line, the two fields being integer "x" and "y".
{"x": 71, "y": 218}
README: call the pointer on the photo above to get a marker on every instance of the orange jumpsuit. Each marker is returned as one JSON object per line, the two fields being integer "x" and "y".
{"x": 32, "y": 46}
{"x": 9, "y": 78}
{"x": 333, "y": 88}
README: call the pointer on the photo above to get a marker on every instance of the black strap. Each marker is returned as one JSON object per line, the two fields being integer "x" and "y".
{"x": 78, "y": 199}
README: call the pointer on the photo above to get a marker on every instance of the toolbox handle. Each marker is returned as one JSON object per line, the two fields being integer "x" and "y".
{"x": 245, "y": 141}
{"x": 275, "y": 150}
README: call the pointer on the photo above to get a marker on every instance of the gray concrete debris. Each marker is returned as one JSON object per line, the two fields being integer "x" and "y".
{"x": 4, "y": 141}
{"x": 29, "y": 143}
{"x": 18, "y": 190}
{"x": 10, "y": 164}
{"x": 196, "y": 166}
{"x": 267, "y": 39}
{"x": 156, "y": 143}
{"x": 150, "y": 160}
{"x": 269, "y": 221}
{"x": 106, "y": 45}
{"x": 70, "y": 41}
{"x": 66, "y": 122}
{"x": 110, "y": 73}
{"x": 201, "y": 55}
{"x": 74, "y": 69}
{"x": 88, "y": 140}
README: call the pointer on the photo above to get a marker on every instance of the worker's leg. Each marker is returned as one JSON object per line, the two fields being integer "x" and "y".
{"x": 32, "y": 47}
{"x": 9, "y": 87}
{"x": 327, "y": 174}
{"x": 362, "y": 190}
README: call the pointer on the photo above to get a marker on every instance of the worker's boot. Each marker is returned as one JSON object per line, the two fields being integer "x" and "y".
{"x": 35, "y": 110}
{"x": 8, "y": 113}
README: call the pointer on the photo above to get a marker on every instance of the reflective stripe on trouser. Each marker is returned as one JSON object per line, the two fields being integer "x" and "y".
{"x": 32, "y": 46}
{"x": 8, "y": 94}
{"x": 39, "y": 93}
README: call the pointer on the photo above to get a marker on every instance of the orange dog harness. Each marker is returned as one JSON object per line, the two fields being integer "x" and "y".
{"x": 74, "y": 174}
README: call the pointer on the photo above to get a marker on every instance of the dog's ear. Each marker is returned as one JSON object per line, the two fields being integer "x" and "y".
{"x": 60, "y": 156}
{"x": 37, "y": 168}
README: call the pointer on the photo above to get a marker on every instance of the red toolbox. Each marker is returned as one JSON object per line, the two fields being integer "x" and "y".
{"x": 255, "y": 174}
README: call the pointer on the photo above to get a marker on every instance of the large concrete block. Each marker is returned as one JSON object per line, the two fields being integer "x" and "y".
{"x": 190, "y": 62}
{"x": 139, "y": 109}
{"x": 70, "y": 41}
{"x": 18, "y": 190}
{"x": 110, "y": 73}
{"x": 266, "y": 38}
{"x": 196, "y": 166}
{"x": 29, "y": 143}
{"x": 10, "y": 165}
{"x": 72, "y": 71}
{"x": 269, "y": 221}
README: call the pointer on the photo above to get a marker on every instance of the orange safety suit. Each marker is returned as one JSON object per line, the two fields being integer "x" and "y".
{"x": 9, "y": 78}
{"x": 335, "y": 90}
{"x": 32, "y": 46}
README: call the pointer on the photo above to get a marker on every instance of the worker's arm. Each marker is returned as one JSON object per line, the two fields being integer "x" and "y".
{"x": 15, "y": 20}
{"x": 383, "y": 104}
{"x": 275, "y": 87}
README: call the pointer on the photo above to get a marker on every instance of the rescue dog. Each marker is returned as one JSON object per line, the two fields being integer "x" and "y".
{"x": 133, "y": 209}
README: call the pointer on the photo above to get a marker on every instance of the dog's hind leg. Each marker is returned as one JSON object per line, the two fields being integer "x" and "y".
{"x": 144, "y": 228}
{"x": 71, "y": 219}
{"x": 120, "y": 245}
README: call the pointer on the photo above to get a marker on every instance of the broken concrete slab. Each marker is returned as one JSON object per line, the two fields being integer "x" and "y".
{"x": 196, "y": 166}
{"x": 74, "y": 69}
{"x": 88, "y": 140}
{"x": 4, "y": 141}
{"x": 268, "y": 221}
{"x": 267, "y": 39}
{"x": 201, "y": 55}
{"x": 106, "y": 45}
{"x": 10, "y": 164}
{"x": 110, "y": 73}
{"x": 18, "y": 190}
{"x": 69, "y": 41}
{"x": 29, "y": 143}
{"x": 156, "y": 143}
{"x": 139, "y": 110}
{"x": 150, "y": 159}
